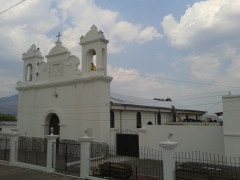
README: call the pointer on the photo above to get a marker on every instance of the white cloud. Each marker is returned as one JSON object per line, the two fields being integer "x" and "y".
{"x": 125, "y": 30}
{"x": 205, "y": 24}
{"x": 211, "y": 30}
{"x": 129, "y": 81}
{"x": 8, "y": 84}
{"x": 37, "y": 15}
{"x": 23, "y": 25}
{"x": 148, "y": 34}
{"x": 203, "y": 67}
{"x": 18, "y": 39}
{"x": 81, "y": 14}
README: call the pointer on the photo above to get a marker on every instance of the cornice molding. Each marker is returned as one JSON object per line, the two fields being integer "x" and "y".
{"x": 35, "y": 85}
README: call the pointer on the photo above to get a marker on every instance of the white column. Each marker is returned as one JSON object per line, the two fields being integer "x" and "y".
{"x": 168, "y": 159}
{"x": 51, "y": 150}
{"x": 13, "y": 146}
{"x": 85, "y": 155}
{"x": 141, "y": 137}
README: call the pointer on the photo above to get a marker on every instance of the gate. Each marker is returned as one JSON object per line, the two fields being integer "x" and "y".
{"x": 127, "y": 144}
{"x": 4, "y": 149}
{"x": 67, "y": 158}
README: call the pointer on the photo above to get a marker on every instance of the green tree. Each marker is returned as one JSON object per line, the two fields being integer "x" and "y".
{"x": 7, "y": 117}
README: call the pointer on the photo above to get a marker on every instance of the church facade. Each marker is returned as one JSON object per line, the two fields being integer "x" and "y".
{"x": 57, "y": 94}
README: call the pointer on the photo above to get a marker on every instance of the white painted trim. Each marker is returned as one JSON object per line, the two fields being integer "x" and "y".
{"x": 231, "y": 96}
{"x": 232, "y": 134}
{"x": 24, "y": 86}
{"x": 141, "y": 130}
{"x": 4, "y": 162}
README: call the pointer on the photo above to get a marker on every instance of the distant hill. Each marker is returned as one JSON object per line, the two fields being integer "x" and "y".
{"x": 8, "y": 105}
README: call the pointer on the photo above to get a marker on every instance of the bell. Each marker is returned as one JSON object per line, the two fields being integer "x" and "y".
{"x": 94, "y": 52}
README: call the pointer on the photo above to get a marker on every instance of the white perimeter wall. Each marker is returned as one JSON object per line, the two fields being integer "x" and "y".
{"x": 231, "y": 116}
{"x": 190, "y": 138}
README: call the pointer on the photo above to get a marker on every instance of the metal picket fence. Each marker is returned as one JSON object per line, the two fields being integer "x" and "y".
{"x": 204, "y": 166}
{"x": 5, "y": 149}
{"x": 67, "y": 158}
{"x": 148, "y": 166}
{"x": 32, "y": 151}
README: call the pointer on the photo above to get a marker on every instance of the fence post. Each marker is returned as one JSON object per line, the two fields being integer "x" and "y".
{"x": 168, "y": 158}
{"x": 85, "y": 155}
{"x": 51, "y": 151}
{"x": 13, "y": 145}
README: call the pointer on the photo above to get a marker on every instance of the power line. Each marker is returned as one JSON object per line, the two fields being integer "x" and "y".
{"x": 207, "y": 93}
{"x": 11, "y": 7}
{"x": 168, "y": 79}
{"x": 213, "y": 105}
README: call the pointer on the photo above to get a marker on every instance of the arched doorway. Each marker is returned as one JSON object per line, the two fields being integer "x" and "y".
{"x": 54, "y": 122}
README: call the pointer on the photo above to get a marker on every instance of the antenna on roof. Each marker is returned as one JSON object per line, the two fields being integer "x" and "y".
{"x": 38, "y": 45}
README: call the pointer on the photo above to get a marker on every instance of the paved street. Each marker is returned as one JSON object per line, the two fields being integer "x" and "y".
{"x": 14, "y": 173}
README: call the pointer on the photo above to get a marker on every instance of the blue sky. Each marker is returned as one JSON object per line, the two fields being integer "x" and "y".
{"x": 190, "y": 40}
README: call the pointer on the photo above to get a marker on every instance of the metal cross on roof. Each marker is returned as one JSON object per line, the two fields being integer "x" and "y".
{"x": 58, "y": 36}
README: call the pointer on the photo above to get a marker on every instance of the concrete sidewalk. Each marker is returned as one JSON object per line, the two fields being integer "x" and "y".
{"x": 15, "y": 173}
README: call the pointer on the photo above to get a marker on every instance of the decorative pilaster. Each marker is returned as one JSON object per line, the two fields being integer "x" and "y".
{"x": 51, "y": 150}
{"x": 85, "y": 155}
{"x": 168, "y": 158}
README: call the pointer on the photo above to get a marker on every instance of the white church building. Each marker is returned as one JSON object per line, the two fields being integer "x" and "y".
{"x": 55, "y": 93}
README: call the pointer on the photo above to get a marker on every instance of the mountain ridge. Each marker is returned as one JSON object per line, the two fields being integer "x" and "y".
{"x": 9, "y": 105}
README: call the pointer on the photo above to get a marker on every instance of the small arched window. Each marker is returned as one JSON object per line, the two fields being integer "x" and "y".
{"x": 149, "y": 123}
{"x": 159, "y": 119}
{"x": 139, "y": 121}
{"x": 174, "y": 118}
{"x": 111, "y": 119}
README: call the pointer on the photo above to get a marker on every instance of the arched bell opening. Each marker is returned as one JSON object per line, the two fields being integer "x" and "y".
{"x": 91, "y": 60}
{"x": 29, "y": 72}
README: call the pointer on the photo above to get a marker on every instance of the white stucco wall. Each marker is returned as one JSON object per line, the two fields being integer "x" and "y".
{"x": 6, "y": 129}
{"x": 231, "y": 124}
{"x": 78, "y": 106}
{"x": 190, "y": 138}
{"x": 129, "y": 118}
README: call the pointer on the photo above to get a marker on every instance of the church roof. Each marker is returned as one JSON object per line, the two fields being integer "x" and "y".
{"x": 119, "y": 99}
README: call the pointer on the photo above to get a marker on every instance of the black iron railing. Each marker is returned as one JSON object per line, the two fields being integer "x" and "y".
{"x": 4, "y": 149}
{"x": 203, "y": 166}
{"x": 148, "y": 165}
{"x": 31, "y": 151}
{"x": 67, "y": 158}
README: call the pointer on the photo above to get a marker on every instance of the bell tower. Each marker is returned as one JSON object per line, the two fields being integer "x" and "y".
{"x": 31, "y": 59}
{"x": 94, "y": 43}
